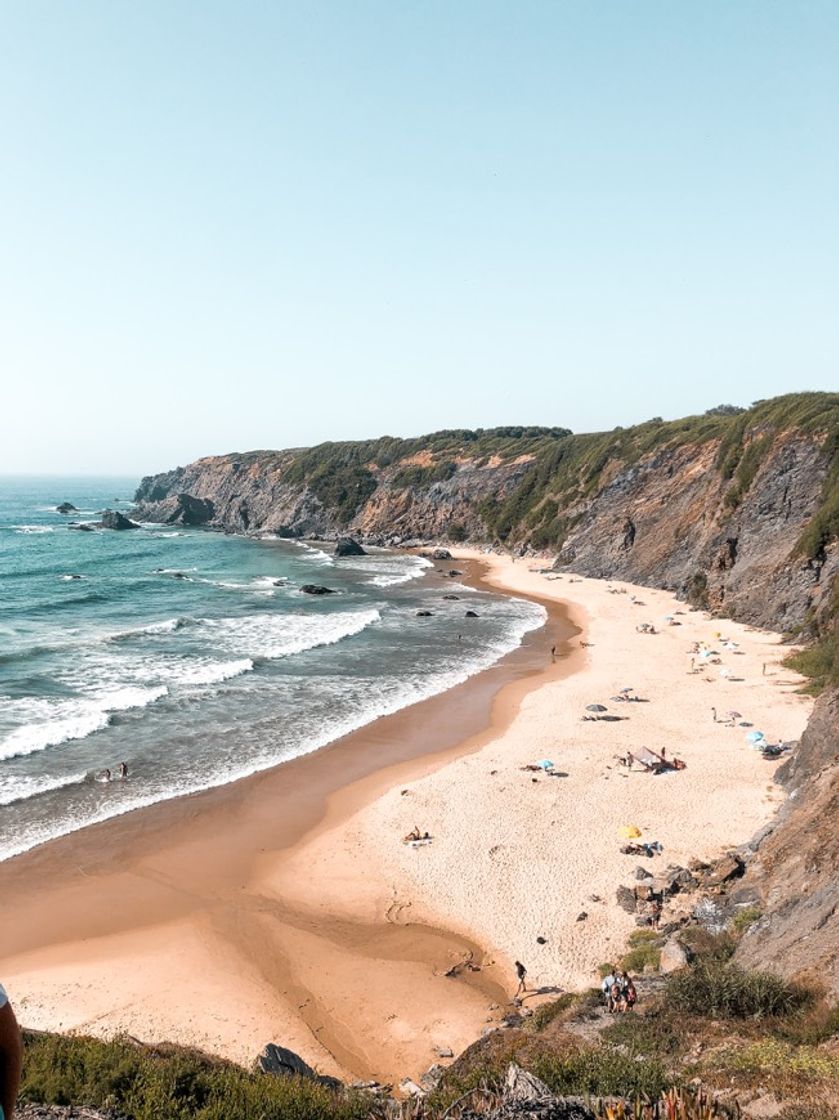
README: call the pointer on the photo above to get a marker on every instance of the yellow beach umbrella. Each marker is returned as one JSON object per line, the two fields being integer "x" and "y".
{"x": 630, "y": 831}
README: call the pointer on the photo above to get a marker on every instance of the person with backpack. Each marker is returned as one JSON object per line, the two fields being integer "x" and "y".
{"x": 11, "y": 1057}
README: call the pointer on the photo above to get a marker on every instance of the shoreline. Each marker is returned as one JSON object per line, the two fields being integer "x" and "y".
{"x": 514, "y": 663}
{"x": 173, "y": 874}
{"x": 336, "y": 942}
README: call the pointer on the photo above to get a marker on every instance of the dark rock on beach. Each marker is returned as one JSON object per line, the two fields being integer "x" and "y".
{"x": 82, "y": 526}
{"x": 348, "y": 546}
{"x": 424, "y": 614}
{"x": 66, "y": 507}
{"x": 471, "y": 614}
{"x": 113, "y": 519}
{"x": 281, "y": 1062}
{"x": 626, "y": 899}
{"x": 316, "y": 589}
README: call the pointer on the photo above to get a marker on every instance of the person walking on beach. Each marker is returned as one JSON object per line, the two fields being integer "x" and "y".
{"x": 11, "y": 1057}
{"x": 521, "y": 973}
{"x": 553, "y": 653}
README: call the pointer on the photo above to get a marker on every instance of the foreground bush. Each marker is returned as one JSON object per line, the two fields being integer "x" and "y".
{"x": 602, "y": 1072}
{"x": 722, "y": 990}
{"x": 143, "y": 1084}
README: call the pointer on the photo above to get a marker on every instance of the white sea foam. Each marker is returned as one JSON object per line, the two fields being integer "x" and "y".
{"x": 388, "y": 570}
{"x": 71, "y": 718}
{"x": 315, "y": 555}
{"x": 281, "y": 635}
{"x": 259, "y": 585}
{"x": 524, "y": 617}
{"x": 213, "y": 672}
{"x": 13, "y": 789}
{"x": 166, "y": 626}
{"x": 34, "y": 528}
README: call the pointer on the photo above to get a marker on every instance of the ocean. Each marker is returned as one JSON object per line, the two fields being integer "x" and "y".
{"x": 194, "y": 657}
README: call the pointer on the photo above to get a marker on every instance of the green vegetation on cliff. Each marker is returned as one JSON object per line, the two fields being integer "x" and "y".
{"x": 565, "y": 470}
{"x": 343, "y": 475}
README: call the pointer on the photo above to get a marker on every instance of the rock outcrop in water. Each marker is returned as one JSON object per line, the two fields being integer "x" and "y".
{"x": 348, "y": 546}
{"x": 113, "y": 519}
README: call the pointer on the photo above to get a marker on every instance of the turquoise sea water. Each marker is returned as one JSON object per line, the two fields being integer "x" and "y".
{"x": 195, "y": 658}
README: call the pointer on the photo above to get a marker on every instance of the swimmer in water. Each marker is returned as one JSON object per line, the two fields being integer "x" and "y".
{"x": 123, "y": 771}
{"x": 105, "y": 776}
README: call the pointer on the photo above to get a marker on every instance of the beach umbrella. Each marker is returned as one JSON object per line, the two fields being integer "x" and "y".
{"x": 628, "y": 688}
{"x": 734, "y": 715}
{"x": 725, "y": 672}
{"x": 545, "y": 763}
{"x": 630, "y": 831}
{"x": 755, "y": 736}
{"x": 596, "y": 708}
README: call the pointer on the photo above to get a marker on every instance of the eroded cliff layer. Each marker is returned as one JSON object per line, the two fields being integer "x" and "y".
{"x": 737, "y": 511}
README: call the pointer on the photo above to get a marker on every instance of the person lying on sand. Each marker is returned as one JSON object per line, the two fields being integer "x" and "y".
{"x": 415, "y": 836}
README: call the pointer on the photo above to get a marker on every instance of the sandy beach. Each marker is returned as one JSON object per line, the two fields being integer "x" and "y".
{"x": 286, "y": 908}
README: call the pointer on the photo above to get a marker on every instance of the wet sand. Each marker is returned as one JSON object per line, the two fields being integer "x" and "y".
{"x": 157, "y": 923}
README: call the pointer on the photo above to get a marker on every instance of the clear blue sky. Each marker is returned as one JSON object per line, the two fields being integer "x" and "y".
{"x": 236, "y": 225}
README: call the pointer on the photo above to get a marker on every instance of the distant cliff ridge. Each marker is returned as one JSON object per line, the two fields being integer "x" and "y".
{"x": 735, "y": 510}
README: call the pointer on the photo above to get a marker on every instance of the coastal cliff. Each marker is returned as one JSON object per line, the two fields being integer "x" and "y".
{"x": 735, "y": 511}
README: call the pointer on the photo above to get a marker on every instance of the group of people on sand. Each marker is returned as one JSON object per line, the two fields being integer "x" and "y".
{"x": 619, "y": 991}
{"x": 120, "y": 776}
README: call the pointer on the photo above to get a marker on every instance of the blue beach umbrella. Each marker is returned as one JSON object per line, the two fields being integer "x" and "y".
{"x": 755, "y": 736}
{"x": 545, "y": 763}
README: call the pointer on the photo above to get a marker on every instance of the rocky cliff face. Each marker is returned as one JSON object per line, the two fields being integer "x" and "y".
{"x": 666, "y": 521}
{"x": 739, "y": 513}
{"x": 795, "y": 873}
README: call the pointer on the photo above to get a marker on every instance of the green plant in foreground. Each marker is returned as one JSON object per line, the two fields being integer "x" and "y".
{"x": 545, "y": 1013}
{"x": 723, "y": 990}
{"x": 743, "y": 919}
{"x": 601, "y": 1071}
{"x": 771, "y": 1055}
{"x": 644, "y": 951}
{"x": 144, "y": 1084}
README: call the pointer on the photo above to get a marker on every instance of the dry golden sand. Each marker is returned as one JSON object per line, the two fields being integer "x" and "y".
{"x": 515, "y": 859}
{"x": 286, "y": 908}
